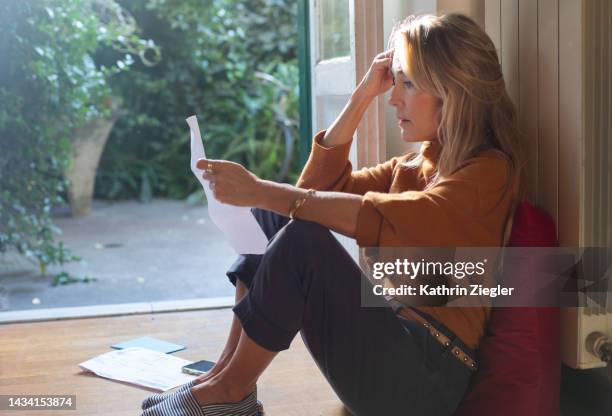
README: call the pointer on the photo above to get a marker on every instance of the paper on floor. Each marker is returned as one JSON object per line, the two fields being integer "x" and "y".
{"x": 140, "y": 366}
{"x": 237, "y": 223}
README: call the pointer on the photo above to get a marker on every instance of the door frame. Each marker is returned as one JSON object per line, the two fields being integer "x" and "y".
{"x": 367, "y": 31}
{"x": 305, "y": 105}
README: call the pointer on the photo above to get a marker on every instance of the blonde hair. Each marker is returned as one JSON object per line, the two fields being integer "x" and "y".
{"x": 452, "y": 58}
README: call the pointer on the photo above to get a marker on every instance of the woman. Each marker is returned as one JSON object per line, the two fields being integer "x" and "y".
{"x": 449, "y": 93}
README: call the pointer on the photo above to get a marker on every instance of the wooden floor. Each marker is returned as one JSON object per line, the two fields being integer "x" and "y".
{"x": 43, "y": 357}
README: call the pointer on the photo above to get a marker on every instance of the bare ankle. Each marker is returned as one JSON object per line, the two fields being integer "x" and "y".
{"x": 235, "y": 393}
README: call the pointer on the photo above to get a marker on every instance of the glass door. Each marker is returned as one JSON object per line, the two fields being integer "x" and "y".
{"x": 345, "y": 35}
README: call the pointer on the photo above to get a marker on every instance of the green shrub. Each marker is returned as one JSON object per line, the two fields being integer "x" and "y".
{"x": 231, "y": 62}
{"x": 50, "y": 85}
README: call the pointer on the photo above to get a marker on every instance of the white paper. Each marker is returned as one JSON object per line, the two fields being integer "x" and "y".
{"x": 237, "y": 223}
{"x": 140, "y": 366}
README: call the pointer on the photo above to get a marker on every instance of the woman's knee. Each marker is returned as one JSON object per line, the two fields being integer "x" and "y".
{"x": 307, "y": 243}
{"x": 305, "y": 233}
{"x": 270, "y": 222}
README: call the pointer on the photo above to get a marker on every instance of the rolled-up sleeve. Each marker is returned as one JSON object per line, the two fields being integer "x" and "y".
{"x": 457, "y": 211}
{"x": 329, "y": 169}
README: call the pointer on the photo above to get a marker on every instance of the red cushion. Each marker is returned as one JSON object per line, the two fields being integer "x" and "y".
{"x": 520, "y": 364}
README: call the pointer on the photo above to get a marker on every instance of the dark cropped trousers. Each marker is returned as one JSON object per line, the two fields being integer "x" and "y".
{"x": 377, "y": 362}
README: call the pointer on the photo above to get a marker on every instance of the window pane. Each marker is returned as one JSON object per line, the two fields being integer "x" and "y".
{"x": 334, "y": 27}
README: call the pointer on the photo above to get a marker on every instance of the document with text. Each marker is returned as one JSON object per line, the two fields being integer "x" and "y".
{"x": 140, "y": 366}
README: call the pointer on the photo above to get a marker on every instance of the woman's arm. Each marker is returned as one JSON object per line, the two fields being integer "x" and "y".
{"x": 232, "y": 184}
{"x": 328, "y": 167}
{"x": 335, "y": 210}
{"x": 377, "y": 80}
{"x": 343, "y": 128}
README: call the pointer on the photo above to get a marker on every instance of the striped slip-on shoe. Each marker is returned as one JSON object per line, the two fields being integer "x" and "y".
{"x": 249, "y": 406}
{"x": 159, "y": 397}
{"x": 184, "y": 403}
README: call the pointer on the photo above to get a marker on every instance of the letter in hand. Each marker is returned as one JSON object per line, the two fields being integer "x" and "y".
{"x": 230, "y": 182}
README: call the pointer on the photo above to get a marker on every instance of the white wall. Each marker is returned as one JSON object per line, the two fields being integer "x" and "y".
{"x": 473, "y": 8}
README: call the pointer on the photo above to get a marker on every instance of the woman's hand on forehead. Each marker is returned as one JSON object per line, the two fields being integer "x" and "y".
{"x": 378, "y": 78}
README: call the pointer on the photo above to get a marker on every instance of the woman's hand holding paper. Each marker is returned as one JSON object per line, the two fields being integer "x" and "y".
{"x": 230, "y": 182}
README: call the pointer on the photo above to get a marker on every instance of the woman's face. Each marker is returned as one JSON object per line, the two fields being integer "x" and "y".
{"x": 417, "y": 111}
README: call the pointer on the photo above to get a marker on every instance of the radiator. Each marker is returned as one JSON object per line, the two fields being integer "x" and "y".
{"x": 587, "y": 331}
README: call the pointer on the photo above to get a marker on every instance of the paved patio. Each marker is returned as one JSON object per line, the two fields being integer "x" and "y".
{"x": 138, "y": 252}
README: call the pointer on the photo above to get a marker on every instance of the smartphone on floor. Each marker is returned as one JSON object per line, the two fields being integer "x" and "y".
{"x": 197, "y": 368}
